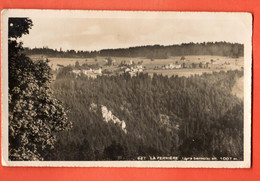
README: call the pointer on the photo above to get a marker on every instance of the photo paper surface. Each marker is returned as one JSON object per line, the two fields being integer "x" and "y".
{"x": 126, "y": 88}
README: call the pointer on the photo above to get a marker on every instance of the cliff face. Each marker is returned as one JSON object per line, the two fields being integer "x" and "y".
{"x": 109, "y": 117}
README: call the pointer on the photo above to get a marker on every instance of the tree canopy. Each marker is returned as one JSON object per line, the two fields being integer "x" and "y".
{"x": 176, "y": 116}
{"x": 34, "y": 114}
{"x": 151, "y": 51}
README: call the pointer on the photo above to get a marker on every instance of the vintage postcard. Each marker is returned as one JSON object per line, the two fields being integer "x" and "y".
{"x": 126, "y": 88}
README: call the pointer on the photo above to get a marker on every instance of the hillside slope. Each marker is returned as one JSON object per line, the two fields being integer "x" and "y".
{"x": 176, "y": 116}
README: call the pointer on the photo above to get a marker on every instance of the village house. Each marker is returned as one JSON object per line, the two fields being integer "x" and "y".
{"x": 178, "y": 66}
{"x": 88, "y": 72}
{"x": 173, "y": 66}
{"x": 132, "y": 74}
{"x": 127, "y": 70}
{"x": 135, "y": 69}
{"x": 185, "y": 65}
{"x": 114, "y": 62}
{"x": 92, "y": 75}
{"x": 77, "y": 72}
{"x": 138, "y": 68}
{"x": 195, "y": 65}
{"x": 203, "y": 64}
{"x": 97, "y": 71}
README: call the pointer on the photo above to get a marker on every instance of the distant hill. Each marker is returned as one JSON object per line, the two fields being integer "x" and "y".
{"x": 149, "y": 51}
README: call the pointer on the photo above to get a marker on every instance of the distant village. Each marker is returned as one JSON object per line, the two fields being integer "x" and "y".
{"x": 111, "y": 66}
{"x": 93, "y": 73}
{"x": 192, "y": 65}
{"x": 123, "y": 67}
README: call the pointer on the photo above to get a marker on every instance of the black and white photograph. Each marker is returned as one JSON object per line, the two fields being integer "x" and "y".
{"x": 126, "y": 88}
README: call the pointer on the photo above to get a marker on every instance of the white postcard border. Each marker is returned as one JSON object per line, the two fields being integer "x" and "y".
{"x": 244, "y": 17}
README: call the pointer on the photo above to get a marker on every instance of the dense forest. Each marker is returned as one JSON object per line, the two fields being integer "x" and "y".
{"x": 153, "y": 51}
{"x": 176, "y": 116}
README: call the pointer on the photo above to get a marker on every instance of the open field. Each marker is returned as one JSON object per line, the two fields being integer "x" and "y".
{"x": 234, "y": 63}
{"x": 182, "y": 72}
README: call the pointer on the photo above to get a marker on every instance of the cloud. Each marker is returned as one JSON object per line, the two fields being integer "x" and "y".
{"x": 96, "y": 34}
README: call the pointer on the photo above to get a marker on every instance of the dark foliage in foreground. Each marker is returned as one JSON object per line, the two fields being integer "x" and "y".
{"x": 34, "y": 114}
{"x": 177, "y": 116}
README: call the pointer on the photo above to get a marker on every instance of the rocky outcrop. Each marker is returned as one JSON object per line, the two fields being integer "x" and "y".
{"x": 109, "y": 117}
{"x": 93, "y": 107}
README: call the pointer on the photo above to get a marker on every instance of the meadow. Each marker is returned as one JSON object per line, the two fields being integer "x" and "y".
{"x": 235, "y": 63}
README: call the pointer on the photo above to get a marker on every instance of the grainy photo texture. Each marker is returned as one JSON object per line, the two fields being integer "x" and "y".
{"x": 148, "y": 89}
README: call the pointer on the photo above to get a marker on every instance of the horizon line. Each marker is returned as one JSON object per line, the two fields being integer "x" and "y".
{"x": 137, "y": 46}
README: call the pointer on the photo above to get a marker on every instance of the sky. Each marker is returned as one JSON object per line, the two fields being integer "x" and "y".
{"x": 96, "y": 33}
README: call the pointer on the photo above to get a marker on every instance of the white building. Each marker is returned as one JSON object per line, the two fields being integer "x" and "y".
{"x": 127, "y": 70}
{"x": 178, "y": 66}
{"x": 76, "y": 71}
{"x": 97, "y": 71}
{"x": 87, "y": 71}
{"x": 173, "y": 66}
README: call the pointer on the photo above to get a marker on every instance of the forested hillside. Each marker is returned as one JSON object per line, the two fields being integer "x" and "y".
{"x": 152, "y": 51}
{"x": 176, "y": 116}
